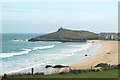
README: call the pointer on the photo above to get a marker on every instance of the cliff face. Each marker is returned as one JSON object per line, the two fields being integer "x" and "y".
{"x": 66, "y": 35}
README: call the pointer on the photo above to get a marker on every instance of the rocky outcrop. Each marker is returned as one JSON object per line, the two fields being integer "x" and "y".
{"x": 59, "y": 66}
{"x": 48, "y": 66}
{"x": 66, "y": 35}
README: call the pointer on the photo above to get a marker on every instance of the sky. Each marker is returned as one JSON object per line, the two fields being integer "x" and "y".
{"x": 46, "y": 17}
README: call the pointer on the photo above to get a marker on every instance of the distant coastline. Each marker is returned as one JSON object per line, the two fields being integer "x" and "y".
{"x": 66, "y": 35}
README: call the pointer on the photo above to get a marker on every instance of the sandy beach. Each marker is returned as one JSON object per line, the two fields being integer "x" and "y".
{"x": 101, "y": 57}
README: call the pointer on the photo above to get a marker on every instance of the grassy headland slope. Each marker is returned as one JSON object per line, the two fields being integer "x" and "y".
{"x": 101, "y": 74}
{"x": 66, "y": 35}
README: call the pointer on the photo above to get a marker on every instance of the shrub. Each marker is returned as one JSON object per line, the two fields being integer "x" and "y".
{"x": 5, "y": 76}
{"x": 79, "y": 71}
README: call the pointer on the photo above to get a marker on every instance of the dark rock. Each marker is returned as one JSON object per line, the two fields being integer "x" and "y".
{"x": 108, "y": 53}
{"x": 23, "y": 40}
{"x": 47, "y": 66}
{"x": 85, "y": 54}
{"x": 62, "y": 73}
{"x": 59, "y": 66}
{"x": 103, "y": 65}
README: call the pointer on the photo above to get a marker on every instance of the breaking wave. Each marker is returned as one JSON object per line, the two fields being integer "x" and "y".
{"x": 4, "y": 55}
{"x": 44, "y": 47}
{"x": 20, "y": 40}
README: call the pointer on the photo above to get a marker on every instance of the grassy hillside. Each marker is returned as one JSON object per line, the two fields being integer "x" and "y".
{"x": 68, "y": 35}
{"x": 101, "y": 74}
{"x": 71, "y": 34}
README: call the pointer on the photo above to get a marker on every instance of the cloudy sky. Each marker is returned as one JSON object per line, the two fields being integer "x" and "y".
{"x": 45, "y": 17}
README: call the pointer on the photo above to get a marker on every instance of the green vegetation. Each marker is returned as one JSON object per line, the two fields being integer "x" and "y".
{"x": 67, "y": 36}
{"x": 71, "y": 34}
{"x": 102, "y": 74}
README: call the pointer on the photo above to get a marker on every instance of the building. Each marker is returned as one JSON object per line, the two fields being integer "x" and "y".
{"x": 118, "y": 37}
{"x": 108, "y": 36}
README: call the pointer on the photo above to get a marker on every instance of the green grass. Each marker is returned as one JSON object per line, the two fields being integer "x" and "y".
{"x": 101, "y": 74}
{"x": 70, "y": 34}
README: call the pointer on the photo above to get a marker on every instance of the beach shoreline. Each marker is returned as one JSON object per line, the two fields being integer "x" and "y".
{"x": 100, "y": 57}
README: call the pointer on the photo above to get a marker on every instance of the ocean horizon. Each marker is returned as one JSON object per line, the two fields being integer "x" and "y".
{"x": 19, "y": 55}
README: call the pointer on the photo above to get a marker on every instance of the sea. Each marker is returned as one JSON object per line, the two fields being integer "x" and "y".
{"x": 19, "y": 56}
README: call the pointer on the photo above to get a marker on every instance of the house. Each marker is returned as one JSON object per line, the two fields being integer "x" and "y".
{"x": 118, "y": 37}
{"x": 108, "y": 36}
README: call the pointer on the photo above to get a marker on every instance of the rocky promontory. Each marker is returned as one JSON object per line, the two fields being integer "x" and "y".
{"x": 66, "y": 35}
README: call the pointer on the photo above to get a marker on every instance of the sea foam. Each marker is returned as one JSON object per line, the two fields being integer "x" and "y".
{"x": 20, "y": 40}
{"x": 43, "y": 47}
{"x": 77, "y": 48}
{"x": 4, "y": 55}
